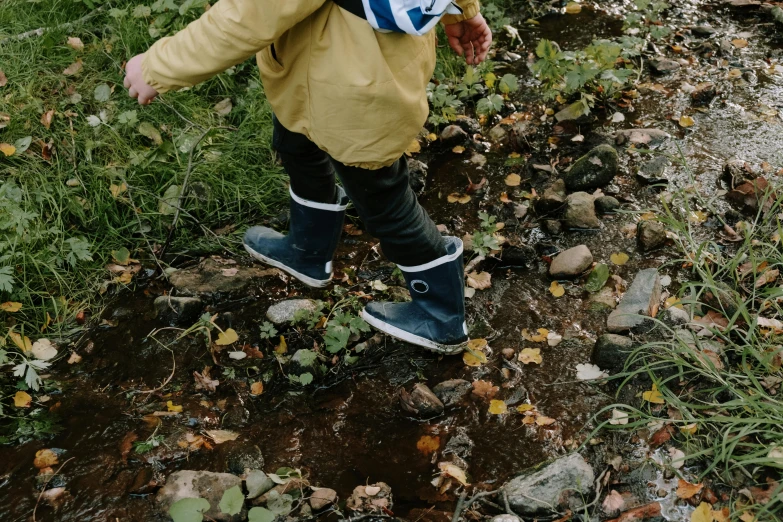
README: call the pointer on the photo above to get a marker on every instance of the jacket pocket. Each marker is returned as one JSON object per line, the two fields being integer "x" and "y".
{"x": 271, "y": 59}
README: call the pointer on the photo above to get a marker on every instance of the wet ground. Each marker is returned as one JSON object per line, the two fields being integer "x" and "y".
{"x": 349, "y": 429}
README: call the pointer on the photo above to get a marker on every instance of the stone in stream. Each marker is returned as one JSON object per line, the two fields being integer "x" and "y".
{"x": 664, "y": 65}
{"x": 553, "y": 198}
{"x": 606, "y": 205}
{"x": 571, "y": 262}
{"x": 594, "y": 170}
{"x": 553, "y": 227}
{"x": 212, "y": 276}
{"x": 506, "y": 518}
{"x": 560, "y": 485}
{"x": 648, "y": 137}
{"x": 639, "y": 304}
{"x": 703, "y": 94}
{"x": 611, "y": 351}
{"x": 200, "y": 484}
{"x": 654, "y": 171}
{"x": 452, "y": 391}
{"x": 322, "y": 498}
{"x": 580, "y": 211}
{"x": 285, "y": 311}
{"x": 178, "y": 310}
{"x": 421, "y": 401}
{"x": 453, "y": 135}
{"x": 650, "y": 235}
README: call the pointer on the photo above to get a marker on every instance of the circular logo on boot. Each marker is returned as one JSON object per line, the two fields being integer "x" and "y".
{"x": 419, "y": 286}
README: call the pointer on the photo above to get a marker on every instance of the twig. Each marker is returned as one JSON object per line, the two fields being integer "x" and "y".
{"x": 473, "y": 262}
{"x": 43, "y": 489}
{"x": 457, "y": 509}
{"x": 461, "y": 504}
{"x": 41, "y": 30}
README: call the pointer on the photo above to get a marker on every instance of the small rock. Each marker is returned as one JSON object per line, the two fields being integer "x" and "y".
{"x": 460, "y": 444}
{"x": 571, "y": 262}
{"x": 520, "y": 133}
{"x": 236, "y": 417}
{"x": 453, "y": 135}
{"x": 552, "y": 199}
{"x": 203, "y": 484}
{"x": 421, "y": 401}
{"x": 418, "y": 176}
{"x": 674, "y": 316}
{"x": 498, "y": 134}
{"x": 212, "y": 276}
{"x": 468, "y": 124}
{"x": 553, "y": 227}
{"x": 240, "y": 458}
{"x": 654, "y": 171}
{"x": 258, "y": 483}
{"x": 580, "y": 211}
{"x": 524, "y": 255}
{"x": 508, "y": 353}
{"x": 561, "y": 485}
{"x": 649, "y": 137}
{"x": 284, "y": 311}
{"x": 375, "y": 498}
{"x": 650, "y": 235}
{"x": 506, "y": 518}
{"x": 611, "y": 351}
{"x": 703, "y": 30}
{"x": 452, "y": 391}
{"x": 322, "y": 498}
{"x": 638, "y": 305}
{"x": 736, "y": 172}
{"x": 593, "y": 170}
{"x": 607, "y": 205}
{"x": 302, "y": 362}
{"x": 703, "y": 94}
{"x": 664, "y": 65}
{"x": 178, "y": 310}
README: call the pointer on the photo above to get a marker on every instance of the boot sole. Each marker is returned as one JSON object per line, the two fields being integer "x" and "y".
{"x": 402, "y": 335}
{"x": 309, "y": 281}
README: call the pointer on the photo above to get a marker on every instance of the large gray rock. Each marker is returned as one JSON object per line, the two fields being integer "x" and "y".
{"x": 639, "y": 304}
{"x": 648, "y": 137}
{"x": 212, "y": 276}
{"x": 580, "y": 211}
{"x": 611, "y": 351}
{"x": 284, "y": 311}
{"x": 561, "y": 485}
{"x": 650, "y": 235}
{"x": 200, "y": 484}
{"x": 258, "y": 483}
{"x": 178, "y": 310}
{"x": 594, "y": 170}
{"x": 571, "y": 262}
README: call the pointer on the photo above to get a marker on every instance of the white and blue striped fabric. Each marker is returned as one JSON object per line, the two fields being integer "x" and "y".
{"x": 407, "y": 16}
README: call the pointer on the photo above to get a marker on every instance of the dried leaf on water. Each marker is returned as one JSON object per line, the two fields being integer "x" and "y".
{"x": 428, "y": 444}
{"x": 530, "y": 356}
{"x": 485, "y": 389}
{"x": 686, "y": 490}
{"x": 497, "y": 407}
{"x": 556, "y": 289}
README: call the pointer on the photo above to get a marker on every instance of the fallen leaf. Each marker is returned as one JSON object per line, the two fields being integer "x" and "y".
{"x": 428, "y": 444}
{"x": 524, "y": 408}
{"x": 281, "y": 348}
{"x": 473, "y": 187}
{"x": 573, "y": 8}
{"x": 553, "y": 338}
{"x": 459, "y": 149}
{"x": 257, "y": 388}
{"x": 686, "y": 490}
{"x": 513, "y": 180}
{"x": 619, "y": 417}
{"x": 221, "y": 436}
{"x": 689, "y": 429}
{"x": 618, "y": 117}
{"x": 45, "y": 458}
{"x": 538, "y": 337}
{"x": 678, "y": 458}
{"x": 75, "y": 43}
{"x": 454, "y": 472}
{"x": 613, "y": 502}
{"x": 223, "y": 107}
{"x": 117, "y": 190}
{"x": 229, "y": 336}
{"x": 556, "y": 289}
{"x": 589, "y": 372}
{"x": 542, "y": 420}
{"x": 530, "y": 355}
{"x": 22, "y": 399}
{"x": 474, "y": 358}
{"x": 74, "y": 68}
{"x": 619, "y": 258}
{"x": 504, "y": 198}
{"x": 413, "y": 148}
{"x": 686, "y": 121}
{"x": 3, "y": 79}
{"x": 11, "y": 307}
{"x": 479, "y": 280}
{"x": 126, "y": 445}
{"x": 44, "y": 350}
{"x": 46, "y": 118}
{"x": 455, "y": 197}
{"x": 654, "y": 395}
{"x": 22, "y": 342}
{"x": 7, "y": 149}
{"x": 739, "y": 43}
{"x": 432, "y": 136}
{"x": 204, "y": 381}
{"x": 75, "y": 358}
{"x": 485, "y": 389}
{"x": 769, "y": 276}
{"x": 703, "y": 513}
{"x": 497, "y": 407}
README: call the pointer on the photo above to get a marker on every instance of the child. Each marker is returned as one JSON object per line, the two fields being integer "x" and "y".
{"x": 347, "y": 100}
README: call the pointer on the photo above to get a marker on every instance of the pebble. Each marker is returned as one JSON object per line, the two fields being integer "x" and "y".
{"x": 322, "y": 498}
{"x": 452, "y": 391}
{"x": 553, "y": 198}
{"x": 571, "y": 262}
{"x": 453, "y": 135}
{"x": 178, "y": 310}
{"x": 580, "y": 211}
{"x": 421, "y": 401}
{"x": 664, "y": 65}
{"x": 611, "y": 351}
{"x": 284, "y": 311}
{"x": 650, "y": 235}
{"x": 594, "y": 170}
{"x": 639, "y": 303}
{"x": 607, "y": 205}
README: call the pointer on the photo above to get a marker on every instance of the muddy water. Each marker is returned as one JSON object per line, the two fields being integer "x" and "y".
{"x": 351, "y": 430}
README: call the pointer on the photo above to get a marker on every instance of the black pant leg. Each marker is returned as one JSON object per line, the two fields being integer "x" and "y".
{"x": 308, "y": 167}
{"x": 390, "y": 211}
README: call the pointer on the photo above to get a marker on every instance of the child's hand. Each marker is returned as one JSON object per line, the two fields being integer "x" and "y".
{"x": 134, "y": 81}
{"x": 470, "y": 38}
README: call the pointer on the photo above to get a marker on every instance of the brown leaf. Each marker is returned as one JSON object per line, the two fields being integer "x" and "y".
{"x": 3, "y": 79}
{"x": 45, "y": 458}
{"x": 126, "y": 445}
{"x": 713, "y": 319}
{"x": 662, "y": 436}
{"x": 763, "y": 495}
{"x": 485, "y": 389}
{"x": 428, "y": 444}
{"x": 479, "y": 280}
{"x": 46, "y": 118}
{"x": 75, "y": 43}
{"x": 473, "y": 187}
{"x": 204, "y": 381}
{"x": 352, "y": 230}
{"x": 769, "y": 276}
{"x": 686, "y": 490}
{"x": 613, "y": 502}
{"x": 74, "y": 68}
{"x": 651, "y": 510}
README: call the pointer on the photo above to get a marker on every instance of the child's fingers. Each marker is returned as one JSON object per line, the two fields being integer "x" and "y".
{"x": 456, "y": 45}
{"x": 126, "y": 82}
{"x": 133, "y": 93}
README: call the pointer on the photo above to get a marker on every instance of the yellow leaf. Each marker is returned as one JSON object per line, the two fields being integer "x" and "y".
{"x": 573, "y": 8}
{"x": 474, "y": 358}
{"x": 23, "y": 343}
{"x": 739, "y": 43}
{"x": 22, "y": 399}
{"x": 477, "y": 344}
{"x": 7, "y": 149}
{"x": 459, "y": 149}
{"x": 748, "y": 517}
{"x": 533, "y": 338}
{"x": 514, "y": 155}
{"x": 454, "y": 472}
{"x": 513, "y": 180}
{"x": 47, "y": 322}
{"x": 282, "y": 347}
{"x": 530, "y": 355}
{"x": 529, "y": 419}
{"x": 697, "y": 216}
{"x": 413, "y": 148}
{"x": 117, "y": 190}
{"x": 428, "y": 444}
{"x": 654, "y": 396}
{"x": 489, "y": 79}
{"x": 497, "y": 407}
{"x": 522, "y": 408}
{"x": 479, "y": 281}
{"x": 721, "y": 515}
{"x": 556, "y": 289}
{"x": 257, "y": 388}
{"x": 544, "y": 421}
{"x": 686, "y": 121}
{"x": 227, "y": 337}
{"x": 173, "y": 407}
{"x": 619, "y": 258}
{"x": 432, "y": 136}
{"x": 673, "y": 301}
{"x": 45, "y": 458}
{"x": 11, "y": 307}
{"x": 690, "y": 429}
{"x": 703, "y": 513}
{"x": 455, "y": 197}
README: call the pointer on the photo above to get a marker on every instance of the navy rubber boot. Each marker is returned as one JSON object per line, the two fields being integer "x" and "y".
{"x": 306, "y": 252}
{"x": 435, "y": 318}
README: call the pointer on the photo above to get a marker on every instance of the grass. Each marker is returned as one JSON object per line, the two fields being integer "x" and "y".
{"x": 726, "y": 409}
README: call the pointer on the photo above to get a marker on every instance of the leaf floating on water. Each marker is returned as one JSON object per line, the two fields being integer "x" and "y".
{"x": 556, "y": 289}
{"x": 497, "y": 407}
{"x": 686, "y": 490}
{"x": 229, "y": 336}
{"x": 456, "y": 197}
{"x": 428, "y": 444}
{"x": 539, "y": 337}
{"x": 513, "y": 180}
{"x": 654, "y": 395}
{"x": 619, "y": 258}
{"x": 530, "y": 356}
{"x": 686, "y": 121}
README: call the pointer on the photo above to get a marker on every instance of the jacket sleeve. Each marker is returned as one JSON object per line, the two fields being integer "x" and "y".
{"x": 227, "y": 34}
{"x": 470, "y": 8}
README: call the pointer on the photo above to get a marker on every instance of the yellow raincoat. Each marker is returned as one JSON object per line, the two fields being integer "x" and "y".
{"x": 356, "y": 93}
